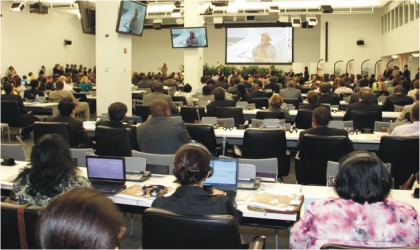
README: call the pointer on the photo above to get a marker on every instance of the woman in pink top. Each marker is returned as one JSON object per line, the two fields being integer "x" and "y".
{"x": 362, "y": 216}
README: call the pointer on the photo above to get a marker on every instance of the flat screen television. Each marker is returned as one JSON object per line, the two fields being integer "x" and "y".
{"x": 131, "y": 17}
{"x": 189, "y": 37}
{"x": 259, "y": 45}
{"x": 87, "y": 16}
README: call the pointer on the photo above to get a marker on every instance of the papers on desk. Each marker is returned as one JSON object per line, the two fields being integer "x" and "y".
{"x": 276, "y": 203}
{"x": 135, "y": 193}
{"x": 88, "y": 123}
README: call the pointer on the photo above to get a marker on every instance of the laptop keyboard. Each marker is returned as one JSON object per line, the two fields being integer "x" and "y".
{"x": 104, "y": 186}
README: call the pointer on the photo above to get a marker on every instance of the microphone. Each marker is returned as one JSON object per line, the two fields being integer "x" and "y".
{"x": 198, "y": 113}
{"x": 17, "y": 137}
{"x": 240, "y": 98}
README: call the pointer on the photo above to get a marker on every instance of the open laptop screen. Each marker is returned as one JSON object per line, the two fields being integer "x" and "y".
{"x": 225, "y": 173}
{"x": 105, "y": 168}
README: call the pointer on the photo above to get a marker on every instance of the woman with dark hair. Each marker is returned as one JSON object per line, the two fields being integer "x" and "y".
{"x": 276, "y": 105}
{"x": 80, "y": 219}
{"x": 207, "y": 94}
{"x": 53, "y": 172}
{"x": 242, "y": 94}
{"x": 18, "y": 85}
{"x": 362, "y": 216}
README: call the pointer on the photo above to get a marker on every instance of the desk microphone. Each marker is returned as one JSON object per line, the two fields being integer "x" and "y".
{"x": 17, "y": 137}
{"x": 198, "y": 113}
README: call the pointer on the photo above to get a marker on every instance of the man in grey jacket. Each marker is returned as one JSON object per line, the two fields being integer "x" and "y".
{"x": 291, "y": 92}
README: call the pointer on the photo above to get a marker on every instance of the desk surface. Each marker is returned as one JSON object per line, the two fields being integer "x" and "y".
{"x": 339, "y": 114}
{"x": 41, "y": 105}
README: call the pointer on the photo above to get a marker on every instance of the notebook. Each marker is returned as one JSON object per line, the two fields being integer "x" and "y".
{"x": 107, "y": 174}
{"x": 225, "y": 174}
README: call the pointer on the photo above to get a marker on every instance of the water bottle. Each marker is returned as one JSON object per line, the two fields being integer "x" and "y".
{"x": 37, "y": 98}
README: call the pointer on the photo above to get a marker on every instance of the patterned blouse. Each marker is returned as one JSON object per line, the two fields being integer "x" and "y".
{"x": 338, "y": 221}
{"x": 21, "y": 197}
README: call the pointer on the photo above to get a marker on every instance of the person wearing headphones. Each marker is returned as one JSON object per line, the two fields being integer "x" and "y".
{"x": 264, "y": 51}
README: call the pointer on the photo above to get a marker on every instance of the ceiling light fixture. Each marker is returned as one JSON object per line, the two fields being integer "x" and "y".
{"x": 415, "y": 54}
{"x": 17, "y": 6}
{"x": 312, "y": 20}
{"x": 394, "y": 56}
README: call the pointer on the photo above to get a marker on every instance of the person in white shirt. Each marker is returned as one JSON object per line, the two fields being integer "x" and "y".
{"x": 343, "y": 89}
{"x": 186, "y": 93}
{"x": 412, "y": 92}
{"x": 407, "y": 108}
{"x": 411, "y": 129}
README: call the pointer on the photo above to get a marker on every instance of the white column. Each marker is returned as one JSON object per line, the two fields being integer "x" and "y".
{"x": 113, "y": 59}
{"x": 193, "y": 57}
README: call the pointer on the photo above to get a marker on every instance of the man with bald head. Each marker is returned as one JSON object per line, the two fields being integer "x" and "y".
{"x": 158, "y": 94}
{"x": 161, "y": 134}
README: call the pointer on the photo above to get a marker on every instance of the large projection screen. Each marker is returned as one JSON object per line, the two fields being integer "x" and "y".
{"x": 262, "y": 45}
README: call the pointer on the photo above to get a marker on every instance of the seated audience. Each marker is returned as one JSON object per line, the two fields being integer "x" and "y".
{"x": 342, "y": 89}
{"x": 291, "y": 92}
{"x": 242, "y": 94}
{"x": 59, "y": 93}
{"x": 362, "y": 216}
{"x": 355, "y": 97}
{"x": 313, "y": 99}
{"x": 158, "y": 94}
{"x": 84, "y": 85}
{"x": 221, "y": 83}
{"x": 33, "y": 92}
{"x": 380, "y": 86}
{"x": 80, "y": 219}
{"x": 186, "y": 92}
{"x": 219, "y": 101}
{"x": 234, "y": 88}
{"x": 412, "y": 92}
{"x": 257, "y": 93}
{"x": 317, "y": 84}
{"x": 407, "y": 108}
{"x": 364, "y": 104}
{"x": 276, "y": 105}
{"x": 207, "y": 94}
{"x": 18, "y": 85}
{"x": 52, "y": 173}
{"x": 67, "y": 110}
{"x": 411, "y": 129}
{"x": 326, "y": 96}
{"x": 273, "y": 85}
{"x": 398, "y": 98}
{"x": 161, "y": 134}
{"x": 247, "y": 84}
{"x": 146, "y": 82}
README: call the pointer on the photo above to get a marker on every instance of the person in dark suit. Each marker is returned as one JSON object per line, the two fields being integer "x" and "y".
{"x": 291, "y": 92}
{"x": 259, "y": 82}
{"x": 31, "y": 93}
{"x": 417, "y": 75}
{"x": 117, "y": 112}
{"x": 273, "y": 85}
{"x": 145, "y": 83}
{"x": 355, "y": 97}
{"x": 43, "y": 71}
{"x": 313, "y": 99}
{"x": 364, "y": 104}
{"x": 67, "y": 110}
{"x": 242, "y": 95}
{"x": 326, "y": 96}
{"x": 320, "y": 119}
{"x": 406, "y": 73}
{"x": 387, "y": 72}
{"x": 221, "y": 83}
{"x": 246, "y": 83}
{"x": 398, "y": 98}
{"x": 158, "y": 94}
{"x": 234, "y": 89}
{"x": 257, "y": 93}
{"x": 219, "y": 101}
{"x": 161, "y": 134}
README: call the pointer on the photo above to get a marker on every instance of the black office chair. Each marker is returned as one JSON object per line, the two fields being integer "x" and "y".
{"x": 232, "y": 112}
{"x": 365, "y": 120}
{"x": 398, "y": 103}
{"x": 81, "y": 97}
{"x": 60, "y": 128}
{"x": 77, "y": 90}
{"x": 191, "y": 114}
{"x": 293, "y": 101}
{"x": 267, "y": 143}
{"x": 168, "y": 230}
{"x": 403, "y": 154}
{"x": 269, "y": 115}
{"x": 10, "y": 228}
{"x": 179, "y": 99}
{"x": 315, "y": 152}
{"x": 203, "y": 134}
{"x": 10, "y": 114}
{"x": 143, "y": 111}
{"x": 260, "y": 102}
{"x": 113, "y": 141}
{"x": 303, "y": 119}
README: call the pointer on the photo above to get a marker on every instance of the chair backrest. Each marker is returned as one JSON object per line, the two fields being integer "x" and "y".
{"x": 365, "y": 119}
{"x": 398, "y": 108}
{"x": 164, "y": 229}
{"x": 327, "y": 105}
{"x": 179, "y": 99}
{"x": 229, "y": 122}
{"x": 10, "y": 230}
{"x": 10, "y": 113}
{"x": 336, "y": 124}
{"x": 113, "y": 141}
{"x": 266, "y": 143}
{"x": 203, "y": 134}
{"x": 209, "y": 120}
{"x": 81, "y": 97}
{"x": 332, "y": 171}
{"x": 260, "y": 102}
{"x": 148, "y": 90}
{"x": 231, "y": 112}
{"x": 242, "y": 105}
{"x": 134, "y": 118}
{"x": 159, "y": 159}
{"x": 315, "y": 152}
{"x": 270, "y": 115}
{"x": 303, "y": 119}
{"x": 80, "y": 155}
{"x": 60, "y": 128}
{"x": 15, "y": 151}
{"x": 381, "y": 126}
{"x": 403, "y": 154}
{"x": 256, "y": 123}
{"x": 293, "y": 101}
{"x": 143, "y": 111}
{"x": 268, "y": 165}
{"x": 191, "y": 114}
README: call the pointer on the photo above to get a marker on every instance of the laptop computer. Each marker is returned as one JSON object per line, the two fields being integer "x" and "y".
{"x": 107, "y": 174}
{"x": 225, "y": 174}
{"x": 247, "y": 177}
{"x": 135, "y": 169}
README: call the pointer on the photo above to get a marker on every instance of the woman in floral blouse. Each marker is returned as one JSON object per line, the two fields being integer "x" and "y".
{"x": 362, "y": 216}
{"x": 53, "y": 172}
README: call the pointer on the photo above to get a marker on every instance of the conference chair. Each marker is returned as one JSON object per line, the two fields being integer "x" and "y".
{"x": 209, "y": 120}
{"x": 403, "y": 154}
{"x": 399, "y": 103}
{"x": 365, "y": 120}
{"x": 60, "y": 128}
{"x": 232, "y": 112}
{"x": 268, "y": 165}
{"x": 381, "y": 126}
{"x": 392, "y": 126}
{"x": 191, "y": 114}
{"x": 315, "y": 152}
{"x": 10, "y": 237}
{"x": 10, "y": 115}
{"x": 260, "y": 102}
{"x": 303, "y": 119}
{"x": 204, "y": 134}
{"x": 266, "y": 143}
{"x": 113, "y": 141}
{"x": 179, "y": 99}
{"x": 156, "y": 159}
{"x": 164, "y": 229}
{"x": 136, "y": 119}
{"x": 143, "y": 111}
{"x": 292, "y": 101}
{"x": 80, "y": 155}
{"x": 332, "y": 171}
{"x": 15, "y": 151}
{"x": 329, "y": 106}
{"x": 228, "y": 122}
{"x": 269, "y": 115}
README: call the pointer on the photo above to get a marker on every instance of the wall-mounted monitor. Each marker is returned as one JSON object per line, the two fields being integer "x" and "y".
{"x": 189, "y": 37}
{"x": 259, "y": 45}
{"x": 87, "y": 16}
{"x": 131, "y": 17}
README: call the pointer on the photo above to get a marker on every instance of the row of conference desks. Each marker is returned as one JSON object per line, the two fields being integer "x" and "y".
{"x": 254, "y": 218}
